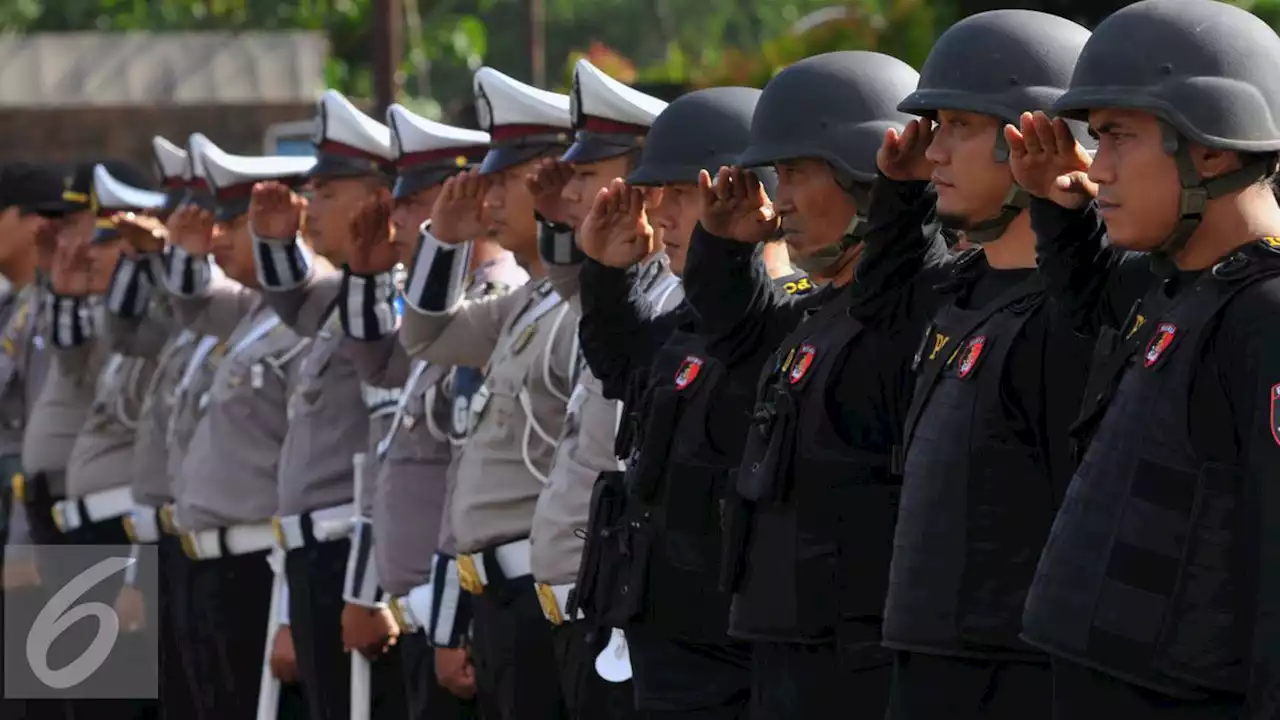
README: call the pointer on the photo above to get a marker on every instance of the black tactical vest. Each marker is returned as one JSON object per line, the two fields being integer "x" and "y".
{"x": 1141, "y": 573}
{"x": 677, "y": 481}
{"x": 821, "y": 512}
{"x": 977, "y": 501}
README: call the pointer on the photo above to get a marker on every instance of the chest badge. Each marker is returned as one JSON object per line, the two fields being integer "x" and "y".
{"x": 688, "y": 372}
{"x": 1159, "y": 343}
{"x": 972, "y": 351}
{"x": 522, "y": 340}
{"x": 803, "y": 360}
{"x": 1275, "y": 415}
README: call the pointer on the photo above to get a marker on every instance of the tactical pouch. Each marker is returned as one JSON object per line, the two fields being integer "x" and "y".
{"x": 602, "y": 551}
{"x": 1098, "y": 389}
{"x": 630, "y": 582}
{"x": 768, "y": 448}
{"x": 659, "y": 431}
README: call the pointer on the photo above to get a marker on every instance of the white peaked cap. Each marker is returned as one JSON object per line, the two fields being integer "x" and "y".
{"x": 114, "y": 194}
{"x": 223, "y": 170}
{"x": 503, "y": 100}
{"x": 412, "y": 133}
{"x": 597, "y": 95}
{"x": 171, "y": 160}
{"x": 341, "y": 122}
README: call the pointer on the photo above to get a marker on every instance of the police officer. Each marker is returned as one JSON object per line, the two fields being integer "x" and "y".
{"x": 30, "y": 195}
{"x": 611, "y": 121}
{"x": 228, "y": 493}
{"x": 1153, "y": 591}
{"x": 526, "y": 339}
{"x": 428, "y": 419}
{"x": 328, "y": 420}
{"x": 139, "y": 314}
{"x": 818, "y": 475}
{"x": 685, "y": 417}
{"x": 1000, "y": 379}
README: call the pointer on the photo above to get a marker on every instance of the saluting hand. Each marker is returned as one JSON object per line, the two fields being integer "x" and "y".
{"x": 1048, "y": 163}
{"x": 284, "y": 660}
{"x": 372, "y": 249}
{"x": 545, "y": 184}
{"x": 458, "y": 215}
{"x": 72, "y": 270}
{"x": 901, "y": 155}
{"x": 736, "y": 206}
{"x": 191, "y": 229}
{"x": 275, "y": 211}
{"x": 144, "y": 233}
{"x": 617, "y": 232}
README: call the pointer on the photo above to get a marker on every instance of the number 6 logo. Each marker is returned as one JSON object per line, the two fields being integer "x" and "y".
{"x": 55, "y": 618}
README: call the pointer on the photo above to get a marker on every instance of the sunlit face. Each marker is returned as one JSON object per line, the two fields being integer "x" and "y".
{"x": 1138, "y": 188}
{"x": 332, "y": 205}
{"x": 233, "y": 250}
{"x": 814, "y": 209}
{"x": 971, "y": 184}
{"x": 508, "y": 207}
{"x": 674, "y": 211}
{"x": 76, "y": 228}
{"x": 588, "y": 180}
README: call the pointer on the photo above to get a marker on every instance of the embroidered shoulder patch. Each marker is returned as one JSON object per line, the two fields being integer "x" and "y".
{"x": 972, "y": 351}
{"x": 804, "y": 358}
{"x": 1159, "y": 343}
{"x": 1275, "y": 416}
{"x": 688, "y": 372}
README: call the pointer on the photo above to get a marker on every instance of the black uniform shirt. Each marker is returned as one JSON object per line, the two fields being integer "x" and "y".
{"x": 1233, "y": 417}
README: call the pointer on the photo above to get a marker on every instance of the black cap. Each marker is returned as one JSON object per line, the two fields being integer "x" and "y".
{"x": 77, "y": 185}
{"x": 31, "y": 187}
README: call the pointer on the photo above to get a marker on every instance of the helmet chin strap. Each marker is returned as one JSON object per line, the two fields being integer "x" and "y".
{"x": 1015, "y": 201}
{"x": 825, "y": 258}
{"x": 1196, "y": 193}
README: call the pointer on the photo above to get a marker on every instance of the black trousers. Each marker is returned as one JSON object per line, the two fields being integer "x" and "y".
{"x": 793, "y": 681}
{"x": 427, "y": 700}
{"x": 1081, "y": 693}
{"x": 111, "y": 536}
{"x": 230, "y": 599}
{"x": 316, "y": 573}
{"x": 681, "y": 680}
{"x": 517, "y": 676}
{"x": 587, "y": 695}
{"x": 177, "y": 698}
{"x": 936, "y": 687}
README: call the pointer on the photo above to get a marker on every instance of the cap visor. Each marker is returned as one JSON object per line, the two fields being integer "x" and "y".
{"x": 502, "y": 158}
{"x": 411, "y": 181}
{"x": 594, "y": 149}
{"x": 329, "y": 165}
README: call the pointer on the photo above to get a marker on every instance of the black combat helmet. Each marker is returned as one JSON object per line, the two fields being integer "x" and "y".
{"x": 834, "y": 107}
{"x": 1206, "y": 70}
{"x": 703, "y": 130}
{"x": 1000, "y": 63}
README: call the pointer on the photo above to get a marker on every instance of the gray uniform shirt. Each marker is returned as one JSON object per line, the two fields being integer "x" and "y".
{"x": 416, "y": 448}
{"x": 24, "y": 363}
{"x": 585, "y": 450}
{"x": 328, "y": 422}
{"x": 102, "y": 456}
{"x": 527, "y": 340}
{"x": 152, "y": 484}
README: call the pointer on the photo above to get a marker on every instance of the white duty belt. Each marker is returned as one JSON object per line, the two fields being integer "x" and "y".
{"x": 75, "y": 513}
{"x": 229, "y": 541}
{"x": 512, "y": 559}
{"x": 309, "y": 528}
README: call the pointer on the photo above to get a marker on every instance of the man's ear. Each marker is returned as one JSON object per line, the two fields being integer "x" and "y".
{"x": 1211, "y": 162}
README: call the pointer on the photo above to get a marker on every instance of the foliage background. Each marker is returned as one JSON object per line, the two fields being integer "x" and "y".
{"x": 684, "y": 42}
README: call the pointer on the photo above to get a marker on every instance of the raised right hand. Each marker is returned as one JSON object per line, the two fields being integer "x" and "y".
{"x": 458, "y": 215}
{"x": 736, "y": 206}
{"x": 1048, "y": 163}
{"x": 72, "y": 272}
{"x": 144, "y": 233}
{"x": 616, "y": 232}
{"x": 901, "y": 155}
{"x": 191, "y": 229}
{"x": 372, "y": 250}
